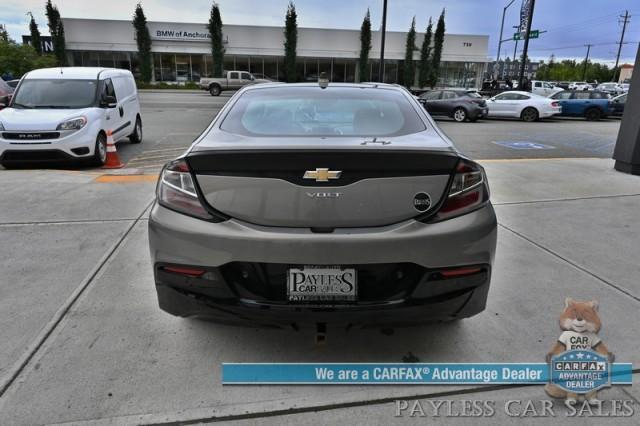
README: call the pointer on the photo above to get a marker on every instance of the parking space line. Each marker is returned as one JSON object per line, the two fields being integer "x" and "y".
{"x": 16, "y": 369}
{"x": 621, "y": 289}
{"x": 125, "y": 178}
{"x": 517, "y": 160}
{"x": 554, "y": 200}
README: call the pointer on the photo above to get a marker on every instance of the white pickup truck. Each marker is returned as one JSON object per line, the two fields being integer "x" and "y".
{"x": 232, "y": 80}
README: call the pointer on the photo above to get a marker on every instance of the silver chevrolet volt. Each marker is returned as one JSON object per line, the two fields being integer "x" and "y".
{"x": 325, "y": 204}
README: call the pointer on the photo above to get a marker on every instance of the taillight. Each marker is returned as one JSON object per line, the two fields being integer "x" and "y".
{"x": 177, "y": 191}
{"x": 555, "y": 104}
{"x": 469, "y": 190}
{"x": 190, "y": 272}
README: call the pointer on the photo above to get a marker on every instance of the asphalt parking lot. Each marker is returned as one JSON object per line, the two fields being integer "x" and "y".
{"x": 84, "y": 340}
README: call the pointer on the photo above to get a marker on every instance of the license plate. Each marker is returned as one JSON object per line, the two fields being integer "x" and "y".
{"x": 322, "y": 283}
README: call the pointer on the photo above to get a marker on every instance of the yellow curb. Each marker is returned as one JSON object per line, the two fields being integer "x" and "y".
{"x": 125, "y": 178}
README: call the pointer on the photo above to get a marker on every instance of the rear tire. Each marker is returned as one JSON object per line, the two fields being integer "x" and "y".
{"x": 459, "y": 114}
{"x": 530, "y": 114}
{"x": 136, "y": 136}
{"x": 214, "y": 90}
{"x": 100, "y": 151}
{"x": 593, "y": 114}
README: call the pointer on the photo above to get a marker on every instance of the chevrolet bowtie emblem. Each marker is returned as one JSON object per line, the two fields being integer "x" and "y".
{"x": 322, "y": 175}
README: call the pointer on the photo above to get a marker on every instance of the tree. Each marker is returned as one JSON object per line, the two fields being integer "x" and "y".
{"x": 425, "y": 52}
{"x": 438, "y": 41}
{"x": 4, "y": 35}
{"x": 17, "y": 59}
{"x": 290, "y": 43}
{"x": 409, "y": 65}
{"x": 56, "y": 28}
{"x": 365, "y": 47}
{"x": 35, "y": 35}
{"x": 143, "y": 40}
{"x": 217, "y": 49}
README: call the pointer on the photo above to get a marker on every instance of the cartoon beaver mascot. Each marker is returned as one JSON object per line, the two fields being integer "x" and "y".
{"x": 580, "y": 325}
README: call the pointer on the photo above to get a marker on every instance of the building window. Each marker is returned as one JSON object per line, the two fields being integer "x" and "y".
{"x": 272, "y": 66}
{"x": 183, "y": 68}
{"x": 242, "y": 63}
{"x": 229, "y": 63}
{"x": 256, "y": 65}
{"x": 324, "y": 66}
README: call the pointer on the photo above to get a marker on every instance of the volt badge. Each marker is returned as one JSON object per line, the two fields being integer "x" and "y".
{"x": 422, "y": 201}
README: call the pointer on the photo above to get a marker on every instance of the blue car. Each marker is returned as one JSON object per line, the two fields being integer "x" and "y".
{"x": 590, "y": 104}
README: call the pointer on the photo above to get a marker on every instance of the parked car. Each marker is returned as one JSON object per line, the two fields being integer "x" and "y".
{"x": 580, "y": 85}
{"x": 5, "y": 93}
{"x": 263, "y": 77}
{"x": 524, "y": 105}
{"x": 460, "y": 105}
{"x": 616, "y": 105}
{"x": 624, "y": 87}
{"x": 59, "y": 114}
{"x": 492, "y": 87}
{"x": 302, "y": 205}
{"x": 610, "y": 88}
{"x": 543, "y": 88}
{"x": 232, "y": 80}
{"x": 592, "y": 105}
{"x": 563, "y": 85}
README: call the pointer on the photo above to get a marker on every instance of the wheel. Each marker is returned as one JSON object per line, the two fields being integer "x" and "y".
{"x": 214, "y": 89}
{"x": 529, "y": 114}
{"x": 593, "y": 114}
{"x": 459, "y": 114}
{"x": 100, "y": 152}
{"x": 136, "y": 136}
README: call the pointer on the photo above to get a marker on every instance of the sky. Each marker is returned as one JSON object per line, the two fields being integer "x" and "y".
{"x": 570, "y": 24}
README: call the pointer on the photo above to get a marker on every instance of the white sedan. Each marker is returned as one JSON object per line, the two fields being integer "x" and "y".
{"x": 524, "y": 105}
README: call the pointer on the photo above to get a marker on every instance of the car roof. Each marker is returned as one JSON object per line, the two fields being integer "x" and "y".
{"x": 80, "y": 73}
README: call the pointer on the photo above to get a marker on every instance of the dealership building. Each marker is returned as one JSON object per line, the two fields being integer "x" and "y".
{"x": 182, "y": 51}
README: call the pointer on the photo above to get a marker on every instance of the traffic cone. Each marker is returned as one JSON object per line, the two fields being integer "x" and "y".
{"x": 113, "y": 159}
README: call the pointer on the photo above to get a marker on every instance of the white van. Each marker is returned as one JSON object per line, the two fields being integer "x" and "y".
{"x": 59, "y": 114}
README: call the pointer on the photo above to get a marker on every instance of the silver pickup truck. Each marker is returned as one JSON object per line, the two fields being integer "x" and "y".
{"x": 232, "y": 80}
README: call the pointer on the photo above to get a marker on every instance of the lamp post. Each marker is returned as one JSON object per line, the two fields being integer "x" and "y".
{"x": 384, "y": 30}
{"x": 504, "y": 12}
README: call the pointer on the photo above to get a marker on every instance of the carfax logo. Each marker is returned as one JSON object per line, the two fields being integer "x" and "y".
{"x": 579, "y": 362}
{"x": 580, "y": 372}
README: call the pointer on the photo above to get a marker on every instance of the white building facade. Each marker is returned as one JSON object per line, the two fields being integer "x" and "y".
{"x": 182, "y": 51}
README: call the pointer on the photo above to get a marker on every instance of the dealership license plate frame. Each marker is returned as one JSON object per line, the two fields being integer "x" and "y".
{"x": 327, "y": 293}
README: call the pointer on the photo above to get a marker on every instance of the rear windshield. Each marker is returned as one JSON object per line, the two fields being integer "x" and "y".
{"x": 65, "y": 94}
{"x": 312, "y": 111}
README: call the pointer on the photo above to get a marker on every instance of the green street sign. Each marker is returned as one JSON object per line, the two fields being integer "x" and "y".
{"x": 532, "y": 34}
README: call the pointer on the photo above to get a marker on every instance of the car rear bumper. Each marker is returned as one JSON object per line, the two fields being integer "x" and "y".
{"x": 176, "y": 239}
{"x": 477, "y": 113}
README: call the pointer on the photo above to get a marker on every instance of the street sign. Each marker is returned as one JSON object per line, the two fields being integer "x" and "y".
{"x": 532, "y": 34}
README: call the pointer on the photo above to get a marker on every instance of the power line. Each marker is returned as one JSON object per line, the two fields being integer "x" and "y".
{"x": 581, "y": 45}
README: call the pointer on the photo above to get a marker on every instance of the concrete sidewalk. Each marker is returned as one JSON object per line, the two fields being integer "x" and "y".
{"x": 85, "y": 340}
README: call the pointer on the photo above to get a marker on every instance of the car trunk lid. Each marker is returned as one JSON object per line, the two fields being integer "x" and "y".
{"x": 323, "y": 188}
